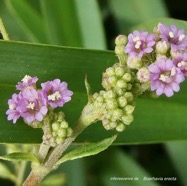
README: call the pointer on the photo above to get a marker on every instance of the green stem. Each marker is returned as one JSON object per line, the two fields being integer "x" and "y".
{"x": 88, "y": 116}
{"x": 3, "y": 31}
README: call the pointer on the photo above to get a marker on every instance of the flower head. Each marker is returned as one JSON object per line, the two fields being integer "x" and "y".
{"x": 14, "y": 108}
{"x": 139, "y": 43}
{"x": 177, "y": 39}
{"x": 181, "y": 62}
{"x": 56, "y": 93}
{"x": 33, "y": 105}
{"x": 27, "y": 82}
{"x": 165, "y": 77}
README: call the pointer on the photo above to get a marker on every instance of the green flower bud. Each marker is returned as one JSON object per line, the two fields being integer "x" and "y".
{"x": 119, "y": 50}
{"x": 64, "y": 125}
{"x": 54, "y": 134}
{"x": 119, "y": 91}
{"x": 143, "y": 75}
{"x": 59, "y": 140}
{"x": 62, "y": 132}
{"x": 122, "y": 101}
{"x": 111, "y": 104}
{"x": 112, "y": 125}
{"x": 129, "y": 109}
{"x": 134, "y": 63}
{"x": 110, "y": 94}
{"x": 55, "y": 126}
{"x": 127, "y": 119}
{"x": 95, "y": 95}
{"x": 119, "y": 71}
{"x": 120, "y": 127}
{"x": 110, "y": 71}
{"x": 112, "y": 80}
{"x": 121, "y": 40}
{"x": 127, "y": 77}
{"x": 117, "y": 114}
{"x": 121, "y": 84}
{"x": 69, "y": 132}
{"x": 60, "y": 116}
{"x": 162, "y": 47}
{"x": 129, "y": 96}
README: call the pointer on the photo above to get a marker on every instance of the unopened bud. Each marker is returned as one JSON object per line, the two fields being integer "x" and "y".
{"x": 55, "y": 126}
{"x": 62, "y": 132}
{"x": 162, "y": 47}
{"x": 110, "y": 71}
{"x": 121, "y": 84}
{"x": 111, "y": 104}
{"x": 119, "y": 71}
{"x": 127, "y": 77}
{"x": 122, "y": 101}
{"x": 119, "y": 50}
{"x": 134, "y": 62}
{"x": 117, "y": 114}
{"x": 120, "y": 127}
{"x": 127, "y": 119}
{"x": 129, "y": 109}
{"x": 143, "y": 75}
{"x": 129, "y": 96}
{"x": 121, "y": 40}
{"x": 64, "y": 124}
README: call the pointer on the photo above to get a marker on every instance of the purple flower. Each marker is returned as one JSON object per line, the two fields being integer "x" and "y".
{"x": 33, "y": 105}
{"x": 14, "y": 108}
{"x": 27, "y": 82}
{"x": 56, "y": 93}
{"x": 165, "y": 77}
{"x": 139, "y": 43}
{"x": 181, "y": 62}
{"x": 176, "y": 38}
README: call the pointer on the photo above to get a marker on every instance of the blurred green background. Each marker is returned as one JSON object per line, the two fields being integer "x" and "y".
{"x": 94, "y": 24}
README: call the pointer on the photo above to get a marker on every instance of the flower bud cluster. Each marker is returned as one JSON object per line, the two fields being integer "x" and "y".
{"x": 117, "y": 108}
{"x": 58, "y": 131}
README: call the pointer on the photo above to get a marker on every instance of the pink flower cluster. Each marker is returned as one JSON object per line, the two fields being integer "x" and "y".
{"x": 167, "y": 74}
{"x": 32, "y": 104}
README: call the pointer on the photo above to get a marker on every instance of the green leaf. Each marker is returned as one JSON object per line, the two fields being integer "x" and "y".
{"x": 178, "y": 153}
{"x": 61, "y": 21}
{"x": 5, "y": 173}
{"x": 91, "y": 25}
{"x": 151, "y": 123}
{"x": 149, "y": 25}
{"x": 87, "y": 150}
{"x": 118, "y": 164}
{"x": 19, "y": 156}
{"x": 133, "y": 12}
{"x": 30, "y": 20}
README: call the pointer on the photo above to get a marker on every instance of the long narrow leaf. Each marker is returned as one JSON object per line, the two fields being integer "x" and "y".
{"x": 29, "y": 19}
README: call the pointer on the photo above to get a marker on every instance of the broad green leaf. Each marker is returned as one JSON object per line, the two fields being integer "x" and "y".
{"x": 6, "y": 173}
{"x": 19, "y": 156}
{"x": 133, "y": 12}
{"x": 178, "y": 153}
{"x": 30, "y": 20}
{"x": 91, "y": 25}
{"x": 87, "y": 150}
{"x": 119, "y": 165}
{"x": 62, "y": 23}
{"x": 149, "y": 25}
{"x": 154, "y": 118}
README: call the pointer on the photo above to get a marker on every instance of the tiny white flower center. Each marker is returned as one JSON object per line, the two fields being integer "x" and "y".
{"x": 31, "y": 106}
{"x": 136, "y": 39}
{"x": 181, "y": 37}
{"x": 182, "y": 64}
{"x": 54, "y": 97}
{"x": 138, "y": 44}
{"x": 11, "y": 106}
{"x": 163, "y": 77}
{"x": 171, "y": 34}
{"x": 26, "y": 79}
